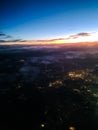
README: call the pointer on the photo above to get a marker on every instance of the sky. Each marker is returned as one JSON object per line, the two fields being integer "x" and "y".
{"x": 48, "y": 19}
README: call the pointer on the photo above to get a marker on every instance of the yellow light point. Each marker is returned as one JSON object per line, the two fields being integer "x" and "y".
{"x": 56, "y": 83}
{"x": 71, "y": 128}
{"x": 50, "y": 84}
{"x": 42, "y": 125}
{"x": 76, "y": 75}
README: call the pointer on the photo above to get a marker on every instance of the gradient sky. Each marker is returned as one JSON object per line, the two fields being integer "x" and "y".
{"x": 47, "y": 19}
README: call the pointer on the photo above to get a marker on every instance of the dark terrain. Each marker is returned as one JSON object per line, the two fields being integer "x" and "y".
{"x": 48, "y": 87}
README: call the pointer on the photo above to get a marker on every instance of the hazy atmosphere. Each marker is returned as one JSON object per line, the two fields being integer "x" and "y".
{"x": 49, "y": 64}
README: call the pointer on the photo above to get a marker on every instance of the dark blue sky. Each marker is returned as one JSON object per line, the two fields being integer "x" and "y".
{"x": 46, "y": 19}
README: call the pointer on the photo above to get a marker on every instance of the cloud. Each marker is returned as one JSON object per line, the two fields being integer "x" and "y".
{"x": 16, "y": 40}
{"x": 2, "y": 40}
{"x": 83, "y": 34}
{"x": 2, "y": 34}
{"x": 7, "y": 38}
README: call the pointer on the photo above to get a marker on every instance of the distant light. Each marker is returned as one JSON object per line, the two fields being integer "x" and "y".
{"x": 71, "y": 128}
{"x": 19, "y": 86}
{"x": 42, "y": 125}
{"x": 22, "y": 60}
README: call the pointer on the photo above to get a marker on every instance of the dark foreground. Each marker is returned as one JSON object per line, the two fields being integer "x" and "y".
{"x": 48, "y": 88}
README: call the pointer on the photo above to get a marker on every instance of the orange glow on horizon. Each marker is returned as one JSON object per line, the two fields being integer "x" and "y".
{"x": 93, "y": 37}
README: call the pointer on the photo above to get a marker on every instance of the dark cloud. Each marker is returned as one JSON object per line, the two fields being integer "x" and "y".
{"x": 16, "y": 40}
{"x": 2, "y": 40}
{"x": 8, "y": 38}
{"x": 2, "y": 34}
{"x": 83, "y": 34}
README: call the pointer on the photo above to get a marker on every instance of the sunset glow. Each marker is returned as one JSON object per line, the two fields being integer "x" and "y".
{"x": 76, "y": 38}
{"x": 49, "y": 64}
{"x": 93, "y": 37}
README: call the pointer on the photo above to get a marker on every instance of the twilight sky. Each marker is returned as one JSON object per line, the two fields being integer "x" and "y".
{"x": 47, "y": 19}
